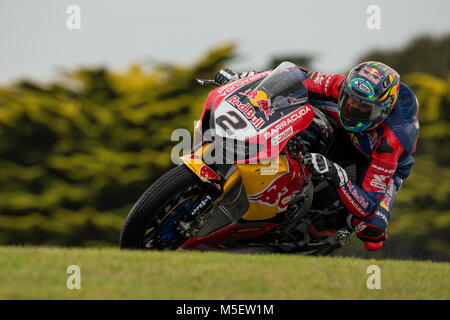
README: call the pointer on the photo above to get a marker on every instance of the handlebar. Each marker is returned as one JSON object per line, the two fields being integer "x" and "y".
{"x": 203, "y": 82}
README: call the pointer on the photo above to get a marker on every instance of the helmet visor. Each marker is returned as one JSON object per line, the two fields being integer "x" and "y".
{"x": 356, "y": 111}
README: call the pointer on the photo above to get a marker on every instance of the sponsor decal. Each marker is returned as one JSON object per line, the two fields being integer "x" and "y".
{"x": 358, "y": 197}
{"x": 388, "y": 171}
{"x": 242, "y": 230}
{"x": 381, "y": 178}
{"x": 380, "y": 214}
{"x": 371, "y": 75}
{"x": 202, "y": 205}
{"x": 373, "y": 139}
{"x": 349, "y": 198}
{"x": 362, "y": 85}
{"x": 326, "y": 83}
{"x": 379, "y": 181}
{"x": 279, "y": 192}
{"x": 373, "y": 71}
{"x": 247, "y": 110}
{"x": 385, "y": 203}
{"x": 207, "y": 173}
{"x": 268, "y": 171}
{"x": 356, "y": 143}
{"x": 360, "y": 227}
{"x": 251, "y": 94}
{"x": 390, "y": 188}
{"x": 378, "y": 184}
{"x": 280, "y": 125}
{"x": 282, "y": 136}
{"x": 223, "y": 91}
{"x": 319, "y": 78}
{"x": 259, "y": 100}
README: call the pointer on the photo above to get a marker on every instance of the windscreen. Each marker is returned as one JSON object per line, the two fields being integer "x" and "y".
{"x": 283, "y": 87}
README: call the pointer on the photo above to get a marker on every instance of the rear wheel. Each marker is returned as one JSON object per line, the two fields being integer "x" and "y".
{"x": 153, "y": 220}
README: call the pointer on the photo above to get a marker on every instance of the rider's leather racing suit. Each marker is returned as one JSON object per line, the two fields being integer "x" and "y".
{"x": 389, "y": 150}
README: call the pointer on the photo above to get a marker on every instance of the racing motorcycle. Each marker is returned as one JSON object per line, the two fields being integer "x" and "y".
{"x": 244, "y": 186}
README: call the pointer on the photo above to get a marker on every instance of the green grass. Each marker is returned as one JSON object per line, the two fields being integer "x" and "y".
{"x": 40, "y": 273}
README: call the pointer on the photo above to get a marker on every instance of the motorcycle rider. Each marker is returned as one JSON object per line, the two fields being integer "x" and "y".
{"x": 378, "y": 120}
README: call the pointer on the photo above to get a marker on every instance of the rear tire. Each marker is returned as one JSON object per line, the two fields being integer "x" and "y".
{"x": 150, "y": 207}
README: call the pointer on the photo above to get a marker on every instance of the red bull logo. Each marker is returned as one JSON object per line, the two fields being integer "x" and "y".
{"x": 386, "y": 203}
{"x": 279, "y": 192}
{"x": 259, "y": 99}
{"x": 355, "y": 142}
{"x": 250, "y": 94}
{"x": 373, "y": 71}
{"x": 247, "y": 110}
{"x": 207, "y": 173}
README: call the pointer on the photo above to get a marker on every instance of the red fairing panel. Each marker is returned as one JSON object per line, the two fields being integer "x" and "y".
{"x": 275, "y": 137}
{"x": 217, "y": 239}
{"x": 216, "y": 96}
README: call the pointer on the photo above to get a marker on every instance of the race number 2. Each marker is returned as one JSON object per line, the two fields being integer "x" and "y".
{"x": 231, "y": 119}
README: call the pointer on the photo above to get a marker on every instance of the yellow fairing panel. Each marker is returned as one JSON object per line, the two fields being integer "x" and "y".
{"x": 263, "y": 184}
{"x": 195, "y": 163}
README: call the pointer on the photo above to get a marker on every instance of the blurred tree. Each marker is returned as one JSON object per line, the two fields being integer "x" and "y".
{"x": 433, "y": 94}
{"x": 425, "y": 54}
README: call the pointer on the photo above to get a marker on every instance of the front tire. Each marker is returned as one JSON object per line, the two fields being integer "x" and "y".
{"x": 144, "y": 219}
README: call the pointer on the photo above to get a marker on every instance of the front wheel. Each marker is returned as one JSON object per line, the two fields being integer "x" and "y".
{"x": 153, "y": 220}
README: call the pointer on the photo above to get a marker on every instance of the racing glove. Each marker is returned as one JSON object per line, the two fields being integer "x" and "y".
{"x": 322, "y": 168}
{"x": 223, "y": 76}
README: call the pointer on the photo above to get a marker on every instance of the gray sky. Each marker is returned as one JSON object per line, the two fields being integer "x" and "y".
{"x": 35, "y": 42}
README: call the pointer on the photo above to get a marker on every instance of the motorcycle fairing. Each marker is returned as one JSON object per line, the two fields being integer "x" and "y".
{"x": 270, "y": 187}
{"x": 232, "y": 232}
{"x": 233, "y": 112}
{"x": 260, "y": 114}
{"x": 195, "y": 163}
